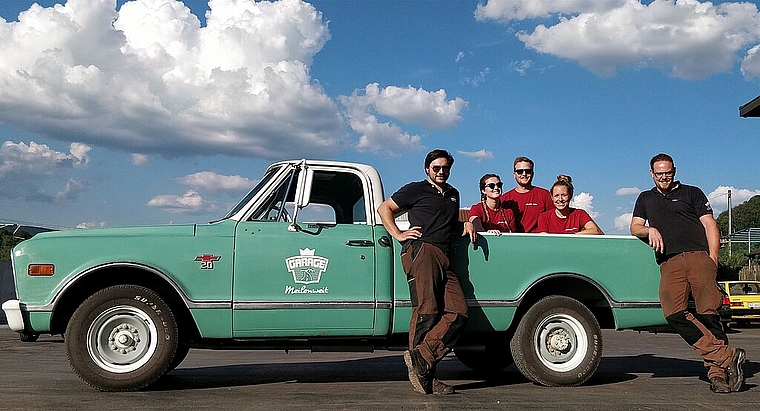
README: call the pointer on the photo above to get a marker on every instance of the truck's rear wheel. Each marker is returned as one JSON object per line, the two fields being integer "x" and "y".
{"x": 558, "y": 342}
{"x": 122, "y": 338}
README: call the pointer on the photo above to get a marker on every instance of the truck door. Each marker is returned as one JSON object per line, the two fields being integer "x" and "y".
{"x": 314, "y": 280}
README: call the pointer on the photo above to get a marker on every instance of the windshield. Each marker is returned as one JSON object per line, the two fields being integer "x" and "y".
{"x": 263, "y": 182}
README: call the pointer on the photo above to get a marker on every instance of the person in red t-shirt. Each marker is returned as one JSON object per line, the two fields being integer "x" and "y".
{"x": 489, "y": 215}
{"x": 526, "y": 200}
{"x": 565, "y": 219}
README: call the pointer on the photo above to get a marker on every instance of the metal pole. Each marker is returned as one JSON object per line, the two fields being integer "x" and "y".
{"x": 730, "y": 223}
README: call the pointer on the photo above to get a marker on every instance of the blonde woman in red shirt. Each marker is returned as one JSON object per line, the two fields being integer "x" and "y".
{"x": 565, "y": 219}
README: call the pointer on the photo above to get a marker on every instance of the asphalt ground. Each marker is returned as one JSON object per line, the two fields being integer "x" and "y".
{"x": 638, "y": 371}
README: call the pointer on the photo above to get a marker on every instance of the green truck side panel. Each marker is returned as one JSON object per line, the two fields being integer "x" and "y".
{"x": 303, "y": 322}
{"x": 171, "y": 250}
{"x": 501, "y": 269}
{"x": 213, "y": 323}
{"x": 635, "y": 317}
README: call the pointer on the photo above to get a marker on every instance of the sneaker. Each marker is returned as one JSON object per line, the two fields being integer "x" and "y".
{"x": 441, "y": 388}
{"x": 418, "y": 371}
{"x": 734, "y": 370}
{"x": 719, "y": 385}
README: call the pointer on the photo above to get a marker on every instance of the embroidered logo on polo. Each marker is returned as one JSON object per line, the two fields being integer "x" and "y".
{"x": 306, "y": 268}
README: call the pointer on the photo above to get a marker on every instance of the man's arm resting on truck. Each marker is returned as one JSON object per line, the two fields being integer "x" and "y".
{"x": 653, "y": 236}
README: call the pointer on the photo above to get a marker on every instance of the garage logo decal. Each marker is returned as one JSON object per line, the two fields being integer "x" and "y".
{"x": 306, "y": 268}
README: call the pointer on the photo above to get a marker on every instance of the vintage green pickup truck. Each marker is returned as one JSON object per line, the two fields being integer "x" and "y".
{"x": 302, "y": 262}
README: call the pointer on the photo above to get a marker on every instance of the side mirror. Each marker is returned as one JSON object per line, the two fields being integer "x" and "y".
{"x": 303, "y": 193}
{"x": 303, "y": 189}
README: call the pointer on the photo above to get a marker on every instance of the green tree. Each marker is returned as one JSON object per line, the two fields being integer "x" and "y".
{"x": 8, "y": 240}
{"x": 729, "y": 265}
{"x": 745, "y": 215}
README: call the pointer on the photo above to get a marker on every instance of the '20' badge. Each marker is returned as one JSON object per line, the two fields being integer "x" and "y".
{"x": 207, "y": 261}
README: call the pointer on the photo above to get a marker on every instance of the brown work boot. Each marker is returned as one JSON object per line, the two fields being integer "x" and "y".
{"x": 719, "y": 385}
{"x": 419, "y": 374}
{"x": 734, "y": 370}
{"x": 441, "y": 388}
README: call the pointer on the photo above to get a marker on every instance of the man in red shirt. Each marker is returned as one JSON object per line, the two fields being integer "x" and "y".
{"x": 526, "y": 200}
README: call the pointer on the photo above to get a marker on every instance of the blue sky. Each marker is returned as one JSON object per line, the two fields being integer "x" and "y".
{"x": 159, "y": 111}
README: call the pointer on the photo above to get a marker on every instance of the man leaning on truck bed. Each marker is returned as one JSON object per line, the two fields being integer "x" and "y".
{"x": 685, "y": 237}
{"x": 439, "y": 308}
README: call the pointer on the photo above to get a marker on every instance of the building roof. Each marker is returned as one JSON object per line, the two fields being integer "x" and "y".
{"x": 751, "y": 109}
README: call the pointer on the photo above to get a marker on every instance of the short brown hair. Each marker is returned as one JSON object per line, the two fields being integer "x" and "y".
{"x": 520, "y": 159}
{"x": 660, "y": 157}
{"x": 438, "y": 153}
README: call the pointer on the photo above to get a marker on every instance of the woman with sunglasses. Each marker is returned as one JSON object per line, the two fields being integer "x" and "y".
{"x": 565, "y": 219}
{"x": 489, "y": 213}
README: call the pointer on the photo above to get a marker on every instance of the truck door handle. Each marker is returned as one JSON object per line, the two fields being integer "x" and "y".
{"x": 360, "y": 243}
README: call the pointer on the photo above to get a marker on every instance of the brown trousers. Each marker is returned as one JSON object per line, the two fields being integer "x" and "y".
{"x": 439, "y": 308}
{"x": 694, "y": 273}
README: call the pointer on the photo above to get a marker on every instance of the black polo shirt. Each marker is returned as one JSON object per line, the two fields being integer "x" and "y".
{"x": 676, "y": 215}
{"x": 437, "y": 213}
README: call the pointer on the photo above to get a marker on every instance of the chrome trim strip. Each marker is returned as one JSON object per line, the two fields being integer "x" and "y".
{"x": 514, "y": 303}
{"x": 306, "y": 305}
{"x": 74, "y": 279}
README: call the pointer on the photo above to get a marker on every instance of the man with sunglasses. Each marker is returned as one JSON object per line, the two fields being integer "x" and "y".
{"x": 684, "y": 235}
{"x": 439, "y": 308}
{"x": 526, "y": 200}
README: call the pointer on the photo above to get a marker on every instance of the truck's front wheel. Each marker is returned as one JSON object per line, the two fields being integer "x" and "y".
{"x": 122, "y": 338}
{"x": 558, "y": 342}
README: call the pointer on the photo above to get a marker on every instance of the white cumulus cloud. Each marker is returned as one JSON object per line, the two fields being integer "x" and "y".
{"x": 189, "y": 203}
{"x": 623, "y": 221}
{"x": 479, "y": 155}
{"x": 627, "y": 191}
{"x": 214, "y": 182}
{"x": 584, "y": 201}
{"x": 92, "y": 224}
{"x": 149, "y": 79}
{"x": 139, "y": 159}
{"x": 25, "y": 168}
{"x": 71, "y": 191}
{"x": 409, "y": 105}
{"x": 719, "y": 197}
{"x": 688, "y": 38}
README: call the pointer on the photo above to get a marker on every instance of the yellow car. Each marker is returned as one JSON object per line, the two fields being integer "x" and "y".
{"x": 744, "y": 299}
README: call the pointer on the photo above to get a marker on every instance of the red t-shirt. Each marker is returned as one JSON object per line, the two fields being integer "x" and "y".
{"x": 502, "y": 219}
{"x": 528, "y": 206}
{"x": 549, "y": 222}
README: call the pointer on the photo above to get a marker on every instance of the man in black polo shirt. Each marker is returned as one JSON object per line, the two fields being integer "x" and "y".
{"x": 439, "y": 308}
{"x": 685, "y": 237}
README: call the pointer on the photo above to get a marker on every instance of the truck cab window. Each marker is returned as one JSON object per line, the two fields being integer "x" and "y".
{"x": 336, "y": 198}
{"x": 341, "y": 192}
{"x": 270, "y": 209}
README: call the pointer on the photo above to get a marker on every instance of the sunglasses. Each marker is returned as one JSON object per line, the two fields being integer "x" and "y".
{"x": 493, "y": 186}
{"x": 439, "y": 168}
{"x": 665, "y": 173}
{"x": 528, "y": 171}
